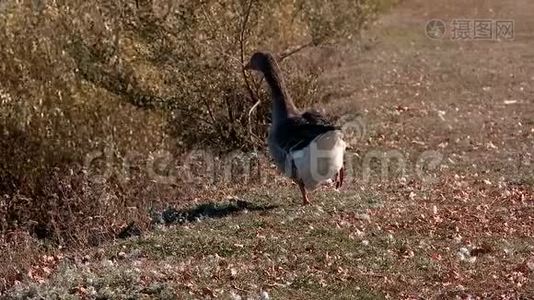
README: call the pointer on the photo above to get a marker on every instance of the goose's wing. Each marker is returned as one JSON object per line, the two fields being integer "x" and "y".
{"x": 299, "y": 131}
{"x": 315, "y": 117}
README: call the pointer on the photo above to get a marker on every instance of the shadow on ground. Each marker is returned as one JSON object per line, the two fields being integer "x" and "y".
{"x": 209, "y": 210}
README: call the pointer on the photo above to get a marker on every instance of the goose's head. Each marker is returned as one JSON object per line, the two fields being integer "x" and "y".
{"x": 260, "y": 61}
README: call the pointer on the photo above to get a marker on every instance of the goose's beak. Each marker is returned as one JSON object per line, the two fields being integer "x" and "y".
{"x": 247, "y": 67}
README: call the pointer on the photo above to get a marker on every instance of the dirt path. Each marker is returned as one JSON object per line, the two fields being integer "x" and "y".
{"x": 454, "y": 89}
{"x": 471, "y": 101}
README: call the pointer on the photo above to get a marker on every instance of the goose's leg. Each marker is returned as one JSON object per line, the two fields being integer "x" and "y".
{"x": 305, "y": 199}
{"x": 340, "y": 177}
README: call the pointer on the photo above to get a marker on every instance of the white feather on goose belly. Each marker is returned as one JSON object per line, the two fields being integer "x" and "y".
{"x": 321, "y": 160}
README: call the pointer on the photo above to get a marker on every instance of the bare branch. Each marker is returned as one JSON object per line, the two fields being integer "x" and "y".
{"x": 242, "y": 41}
{"x": 220, "y": 48}
{"x": 293, "y": 50}
{"x": 250, "y": 116}
{"x": 242, "y": 48}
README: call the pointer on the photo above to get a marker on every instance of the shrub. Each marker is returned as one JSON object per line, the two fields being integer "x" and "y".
{"x": 136, "y": 77}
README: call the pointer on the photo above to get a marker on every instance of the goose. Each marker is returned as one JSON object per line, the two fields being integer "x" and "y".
{"x": 305, "y": 146}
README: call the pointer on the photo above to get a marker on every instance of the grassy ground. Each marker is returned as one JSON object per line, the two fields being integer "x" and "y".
{"x": 467, "y": 232}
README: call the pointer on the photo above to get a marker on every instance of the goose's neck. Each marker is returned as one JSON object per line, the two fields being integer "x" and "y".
{"x": 283, "y": 105}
